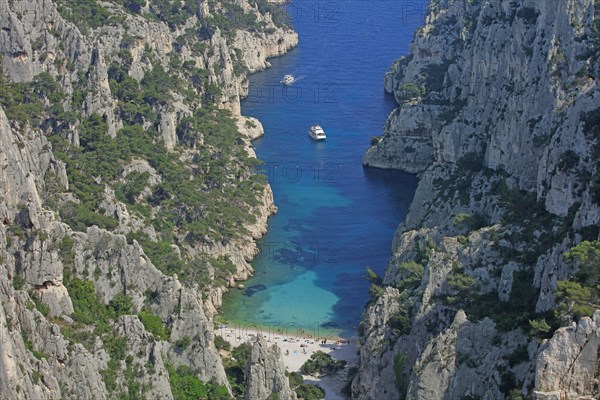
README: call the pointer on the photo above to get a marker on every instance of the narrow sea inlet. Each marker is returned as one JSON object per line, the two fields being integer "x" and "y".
{"x": 335, "y": 217}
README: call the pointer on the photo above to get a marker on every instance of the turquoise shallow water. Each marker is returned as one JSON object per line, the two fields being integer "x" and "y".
{"x": 335, "y": 217}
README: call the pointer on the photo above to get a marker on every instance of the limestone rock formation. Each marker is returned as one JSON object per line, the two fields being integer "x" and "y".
{"x": 88, "y": 309}
{"x": 567, "y": 364}
{"x": 497, "y": 113}
{"x": 265, "y": 373}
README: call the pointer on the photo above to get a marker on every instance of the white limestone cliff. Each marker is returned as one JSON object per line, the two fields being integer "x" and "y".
{"x": 495, "y": 103}
{"x": 40, "y": 356}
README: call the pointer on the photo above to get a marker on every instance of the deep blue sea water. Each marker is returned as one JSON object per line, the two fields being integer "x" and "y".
{"x": 335, "y": 217}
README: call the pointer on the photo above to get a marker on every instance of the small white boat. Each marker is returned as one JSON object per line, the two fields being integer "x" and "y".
{"x": 317, "y": 133}
{"x": 288, "y": 80}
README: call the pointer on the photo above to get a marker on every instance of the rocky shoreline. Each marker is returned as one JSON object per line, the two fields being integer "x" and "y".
{"x": 243, "y": 251}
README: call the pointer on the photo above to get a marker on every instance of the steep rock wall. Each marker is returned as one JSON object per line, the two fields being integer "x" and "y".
{"x": 496, "y": 100}
{"x": 44, "y": 352}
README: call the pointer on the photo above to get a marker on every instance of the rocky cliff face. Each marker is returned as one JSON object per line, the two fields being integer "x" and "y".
{"x": 498, "y": 113}
{"x": 109, "y": 275}
{"x": 266, "y": 373}
{"x": 567, "y": 365}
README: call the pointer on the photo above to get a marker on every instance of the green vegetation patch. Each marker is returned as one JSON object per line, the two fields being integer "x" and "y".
{"x": 321, "y": 364}
{"x": 530, "y": 223}
{"x": 580, "y": 296}
{"x": 222, "y": 344}
{"x": 195, "y": 202}
{"x": 310, "y": 392}
{"x": 235, "y": 368}
{"x": 25, "y": 102}
{"x": 185, "y": 385}
{"x": 471, "y": 222}
{"x": 303, "y": 390}
{"x": 86, "y": 14}
{"x": 410, "y": 91}
{"x": 153, "y": 324}
{"x": 508, "y": 315}
{"x": 29, "y": 346}
{"x": 400, "y": 361}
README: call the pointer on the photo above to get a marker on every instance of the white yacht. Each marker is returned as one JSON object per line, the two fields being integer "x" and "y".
{"x": 288, "y": 80}
{"x": 317, "y": 133}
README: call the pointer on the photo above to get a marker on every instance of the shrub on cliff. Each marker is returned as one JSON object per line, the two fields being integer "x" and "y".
{"x": 185, "y": 385}
{"x": 372, "y": 277}
{"x": 310, "y": 392}
{"x": 87, "y": 307}
{"x": 540, "y": 328}
{"x": 471, "y": 222}
{"x": 412, "y": 274}
{"x": 303, "y": 390}
{"x": 580, "y": 296}
{"x": 321, "y": 363}
{"x": 221, "y": 343}
{"x": 84, "y": 13}
{"x": 409, "y": 91}
{"x": 153, "y": 324}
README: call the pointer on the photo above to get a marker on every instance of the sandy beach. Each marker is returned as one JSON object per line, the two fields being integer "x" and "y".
{"x": 297, "y": 349}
